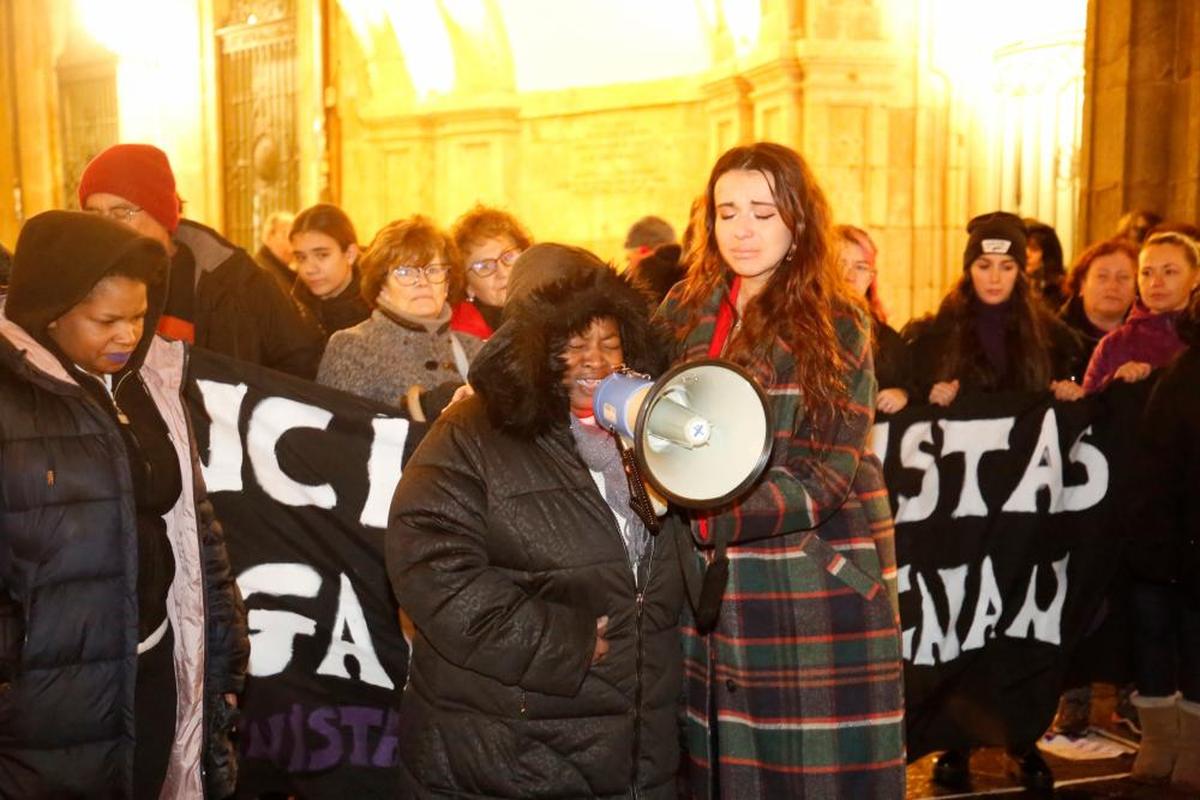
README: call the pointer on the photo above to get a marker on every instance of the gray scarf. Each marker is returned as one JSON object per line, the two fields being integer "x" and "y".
{"x": 599, "y": 452}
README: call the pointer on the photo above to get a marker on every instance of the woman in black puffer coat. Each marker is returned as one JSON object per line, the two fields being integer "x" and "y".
{"x": 122, "y": 636}
{"x": 1164, "y": 558}
{"x": 547, "y": 656}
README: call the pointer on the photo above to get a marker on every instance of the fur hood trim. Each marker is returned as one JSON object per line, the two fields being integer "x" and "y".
{"x": 520, "y": 370}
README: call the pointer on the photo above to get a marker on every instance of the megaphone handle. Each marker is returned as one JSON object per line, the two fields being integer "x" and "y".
{"x": 639, "y": 500}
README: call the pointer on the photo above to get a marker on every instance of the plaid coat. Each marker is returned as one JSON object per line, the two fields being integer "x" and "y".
{"x": 802, "y": 674}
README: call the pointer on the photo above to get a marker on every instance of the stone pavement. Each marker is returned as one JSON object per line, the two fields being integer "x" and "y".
{"x": 1074, "y": 780}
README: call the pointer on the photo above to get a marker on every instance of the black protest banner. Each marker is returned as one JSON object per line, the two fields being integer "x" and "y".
{"x": 1008, "y": 532}
{"x": 302, "y": 477}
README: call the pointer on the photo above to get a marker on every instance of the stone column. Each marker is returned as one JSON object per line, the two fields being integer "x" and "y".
{"x": 778, "y": 97}
{"x": 1141, "y": 126}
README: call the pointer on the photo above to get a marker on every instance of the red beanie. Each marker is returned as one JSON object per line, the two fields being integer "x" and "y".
{"x": 141, "y": 174}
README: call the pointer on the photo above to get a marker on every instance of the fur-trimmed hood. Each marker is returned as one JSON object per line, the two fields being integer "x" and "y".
{"x": 519, "y": 372}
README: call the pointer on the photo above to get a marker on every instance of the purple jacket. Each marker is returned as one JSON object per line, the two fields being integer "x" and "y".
{"x": 1145, "y": 336}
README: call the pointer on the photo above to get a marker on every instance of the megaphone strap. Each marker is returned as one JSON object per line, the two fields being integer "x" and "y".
{"x": 705, "y": 589}
{"x": 639, "y": 500}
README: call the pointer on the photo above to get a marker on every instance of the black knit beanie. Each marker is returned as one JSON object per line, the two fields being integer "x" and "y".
{"x": 999, "y": 233}
{"x": 62, "y": 255}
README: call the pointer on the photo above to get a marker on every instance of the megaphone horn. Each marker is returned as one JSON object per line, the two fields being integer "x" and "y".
{"x": 701, "y": 433}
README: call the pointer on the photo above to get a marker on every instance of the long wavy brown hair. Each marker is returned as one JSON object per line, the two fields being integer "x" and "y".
{"x": 804, "y": 293}
{"x": 1031, "y": 360}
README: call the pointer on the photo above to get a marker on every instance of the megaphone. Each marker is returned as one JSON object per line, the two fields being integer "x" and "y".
{"x": 701, "y": 433}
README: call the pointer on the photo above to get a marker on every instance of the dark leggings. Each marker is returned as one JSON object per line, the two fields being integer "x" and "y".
{"x": 154, "y": 717}
{"x": 1166, "y": 641}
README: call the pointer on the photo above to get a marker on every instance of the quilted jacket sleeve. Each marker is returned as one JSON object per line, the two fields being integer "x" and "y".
{"x": 475, "y": 614}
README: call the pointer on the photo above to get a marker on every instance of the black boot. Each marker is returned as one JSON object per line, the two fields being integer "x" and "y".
{"x": 952, "y": 770}
{"x": 1027, "y": 765}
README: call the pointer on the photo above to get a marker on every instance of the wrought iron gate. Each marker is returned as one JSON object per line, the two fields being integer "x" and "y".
{"x": 87, "y": 106}
{"x": 258, "y": 116}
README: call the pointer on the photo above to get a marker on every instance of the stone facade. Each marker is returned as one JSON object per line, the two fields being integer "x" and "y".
{"x": 907, "y": 137}
{"x": 1142, "y": 112}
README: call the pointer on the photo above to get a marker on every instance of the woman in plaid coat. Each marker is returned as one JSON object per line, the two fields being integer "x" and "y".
{"x": 796, "y": 689}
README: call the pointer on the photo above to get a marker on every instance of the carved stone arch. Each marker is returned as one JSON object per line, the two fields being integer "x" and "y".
{"x": 482, "y": 52}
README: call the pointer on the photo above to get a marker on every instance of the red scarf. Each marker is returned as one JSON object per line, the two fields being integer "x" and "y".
{"x": 726, "y": 312}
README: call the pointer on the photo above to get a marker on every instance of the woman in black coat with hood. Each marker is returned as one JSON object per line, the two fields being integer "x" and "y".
{"x": 122, "y": 636}
{"x": 546, "y": 661}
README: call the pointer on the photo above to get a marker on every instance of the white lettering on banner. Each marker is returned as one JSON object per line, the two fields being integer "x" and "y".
{"x": 1031, "y": 622}
{"x": 954, "y": 580}
{"x": 272, "y": 418}
{"x": 273, "y": 633}
{"x": 1044, "y": 471}
{"x": 223, "y": 402}
{"x": 877, "y": 443}
{"x": 903, "y": 584}
{"x": 915, "y": 509}
{"x": 1081, "y": 498}
{"x": 988, "y": 608}
{"x": 350, "y": 620}
{"x": 383, "y": 469}
{"x": 973, "y": 438}
{"x": 1046, "y": 623}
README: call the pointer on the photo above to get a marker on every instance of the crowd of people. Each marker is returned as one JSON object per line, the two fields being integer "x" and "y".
{"x": 566, "y": 640}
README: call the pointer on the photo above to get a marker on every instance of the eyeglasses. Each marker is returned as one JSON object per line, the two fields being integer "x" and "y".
{"x": 409, "y": 276}
{"x": 119, "y": 213}
{"x": 488, "y": 266}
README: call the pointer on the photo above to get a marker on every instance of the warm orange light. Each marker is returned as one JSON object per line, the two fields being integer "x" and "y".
{"x": 420, "y": 33}
{"x": 967, "y": 37}
{"x": 471, "y": 15}
{"x": 136, "y": 28}
{"x": 744, "y": 21}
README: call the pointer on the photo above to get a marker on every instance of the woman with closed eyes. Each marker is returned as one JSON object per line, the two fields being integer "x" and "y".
{"x": 774, "y": 699}
{"x": 546, "y": 659}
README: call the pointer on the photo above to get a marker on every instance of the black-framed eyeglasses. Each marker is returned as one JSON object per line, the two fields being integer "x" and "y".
{"x": 488, "y": 266}
{"x": 119, "y": 213}
{"x": 409, "y": 276}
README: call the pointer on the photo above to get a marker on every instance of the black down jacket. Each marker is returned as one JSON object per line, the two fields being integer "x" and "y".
{"x": 69, "y": 563}
{"x": 1166, "y": 547}
{"x": 504, "y": 553}
{"x": 240, "y": 310}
